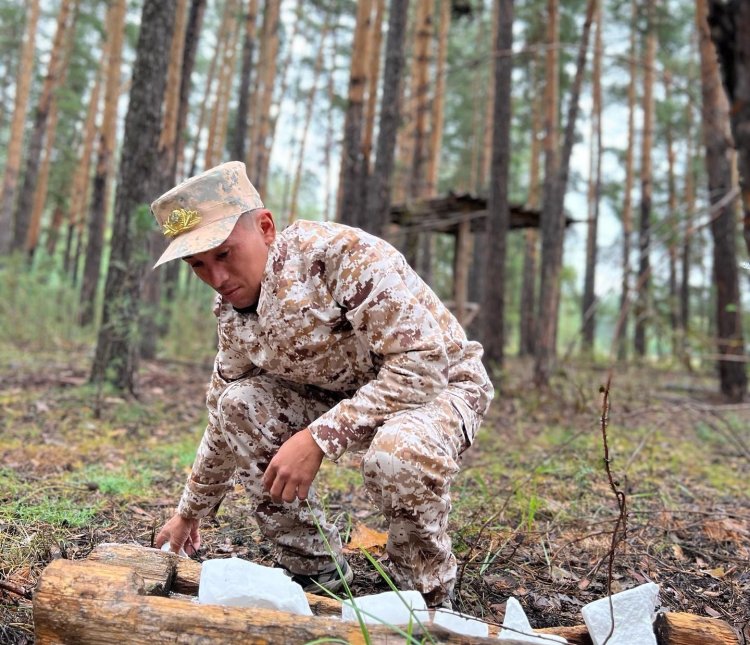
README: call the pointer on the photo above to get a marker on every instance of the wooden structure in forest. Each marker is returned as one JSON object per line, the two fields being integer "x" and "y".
{"x": 461, "y": 215}
{"x": 133, "y": 594}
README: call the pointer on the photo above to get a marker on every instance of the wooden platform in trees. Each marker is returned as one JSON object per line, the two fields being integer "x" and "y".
{"x": 133, "y": 594}
{"x": 445, "y": 213}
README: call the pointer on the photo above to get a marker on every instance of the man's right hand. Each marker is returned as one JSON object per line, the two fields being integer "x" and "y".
{"x": 181, "y": 533}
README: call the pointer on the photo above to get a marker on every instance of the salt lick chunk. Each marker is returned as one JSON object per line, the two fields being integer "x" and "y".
{"x": 459, "y": 623}
{"x": 634, "y": 614}
{"x": 388, "y": 608}
{"x": 517, "y": 627}
{"x": 238, "y": 583}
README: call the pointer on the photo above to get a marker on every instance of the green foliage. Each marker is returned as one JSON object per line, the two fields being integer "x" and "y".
{"x": 37, "y": 308}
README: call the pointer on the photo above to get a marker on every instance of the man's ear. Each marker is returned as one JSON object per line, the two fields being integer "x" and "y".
{"x": 266, "y": 225}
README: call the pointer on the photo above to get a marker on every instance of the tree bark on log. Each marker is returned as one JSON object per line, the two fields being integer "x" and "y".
{"x": 87, "y": 602}
{"x": 109, "y": 598}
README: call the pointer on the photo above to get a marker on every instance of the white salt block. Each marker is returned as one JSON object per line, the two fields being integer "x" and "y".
{"x": 239, "y": 583}
{"x": 388, "y": 608}
{"x": 457, "y": 622}
{"x": 167, "y": 548}
{"x": 517, "y": 627}
{"x": 634, "y": 615}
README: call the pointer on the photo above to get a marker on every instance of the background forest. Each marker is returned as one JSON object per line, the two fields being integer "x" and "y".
{"x": 571, "y": 176}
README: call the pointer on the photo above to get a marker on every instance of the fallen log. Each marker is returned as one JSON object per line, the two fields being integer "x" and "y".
{"x": 164, "y": 569}
{"x": 687, "y": 629}
{"x": 87, "y": 602}
{"x": 85, "y": 587}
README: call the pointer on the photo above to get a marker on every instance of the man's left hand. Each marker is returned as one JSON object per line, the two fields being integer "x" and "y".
{"x": 291, "y": 471}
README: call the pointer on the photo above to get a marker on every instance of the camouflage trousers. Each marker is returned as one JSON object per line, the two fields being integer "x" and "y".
{"x": 408, "y": 465}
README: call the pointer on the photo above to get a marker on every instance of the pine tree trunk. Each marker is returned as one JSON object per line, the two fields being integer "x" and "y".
{"x": 219, "y": 115}
{"x": 105, "y": 164}
{"x": 192, "y": 37}
{"x": 438, "y": 102}
{"x": 485, "y": 153}
{"x": 15, "y": 143}
{"x": 421, "y": 97}
{"x": 55, "y": 72}
{"x": 350, "y": 206}
{"x": 116, "y": 358}
{"x": 730, "y": 26}
{"x": 283, "y": 81}
{"x": 621, "y": 329}
{"x": 374, "y": 50}
{"x": 498, "y": 211}
{"x": 716, "y": 137}
{"x": 150, "y": 330}
{"x": 643, "y": 302}
{"x": 672, "y": 218}
{"x": 168, "y": 137}
{"x": 549, "y": 271}
{"x": 588, "y": 308}
{"x": 531, "y": 238}
{"x": 248, "y": 49}
{"x": 261, "y": 117}
{"x": 379, "y": 192}
{"x": 553, "y": 219}
{"x": 689, "y": 191}
{"x": 329, "y": 144}
{"x": 207, "y": 95}
{"x": 225, "y": 87}
{"x": 79, "y": 187}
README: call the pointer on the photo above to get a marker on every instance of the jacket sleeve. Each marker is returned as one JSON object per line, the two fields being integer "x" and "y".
{"x": 214, "y": 464}
{"x": 378, "y": 291}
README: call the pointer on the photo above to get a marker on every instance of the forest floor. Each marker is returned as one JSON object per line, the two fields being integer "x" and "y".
{"x": 533, "y": 512}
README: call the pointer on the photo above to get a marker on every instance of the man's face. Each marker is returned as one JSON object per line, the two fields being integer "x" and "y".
{"x": 235, "y": 268}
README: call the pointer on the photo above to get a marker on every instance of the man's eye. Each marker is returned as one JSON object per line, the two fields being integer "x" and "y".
{"x": 222, "y": 255}
{"x": 196, "y": 265}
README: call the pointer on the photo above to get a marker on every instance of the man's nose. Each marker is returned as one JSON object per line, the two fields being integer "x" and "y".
{"x": 217, "y": 276}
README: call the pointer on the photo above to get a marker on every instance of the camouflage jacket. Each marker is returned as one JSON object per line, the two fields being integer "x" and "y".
{"x": 341, "y": 310}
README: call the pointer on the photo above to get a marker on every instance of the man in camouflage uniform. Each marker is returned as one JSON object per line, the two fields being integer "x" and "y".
{"x": 328, "y": 342}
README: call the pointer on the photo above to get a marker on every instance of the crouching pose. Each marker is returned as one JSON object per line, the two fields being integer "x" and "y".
{"x": 328, "y": 342}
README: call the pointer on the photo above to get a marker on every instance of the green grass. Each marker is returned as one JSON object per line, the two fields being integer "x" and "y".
{"x": 129, "y": 481}
{"x": 58, "y": 512}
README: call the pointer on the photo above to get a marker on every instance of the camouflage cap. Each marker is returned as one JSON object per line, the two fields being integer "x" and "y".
{"x": 200, "y": 213}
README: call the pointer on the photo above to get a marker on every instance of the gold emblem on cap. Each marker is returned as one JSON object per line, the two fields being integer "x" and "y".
{"x": 179, "y": 221}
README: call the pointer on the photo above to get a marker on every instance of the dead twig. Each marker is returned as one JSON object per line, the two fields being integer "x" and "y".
{"x": 15, "y": 589}
{"x": 620, "y": 531}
